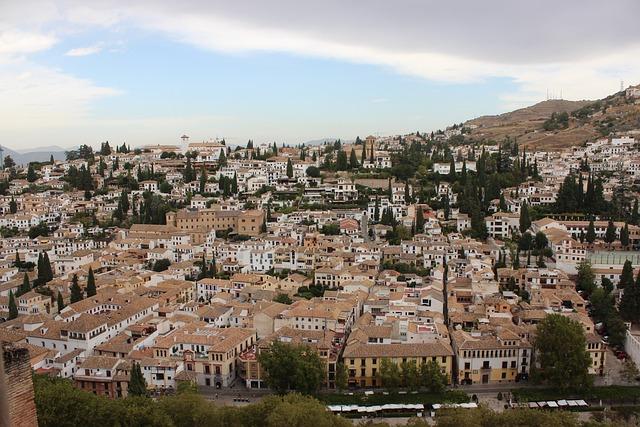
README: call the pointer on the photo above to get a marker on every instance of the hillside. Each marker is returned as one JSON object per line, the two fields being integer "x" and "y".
{"x": 587, "y": 120}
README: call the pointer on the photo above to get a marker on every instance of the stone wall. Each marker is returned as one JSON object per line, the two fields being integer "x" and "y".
{"x": 17, "y": 369}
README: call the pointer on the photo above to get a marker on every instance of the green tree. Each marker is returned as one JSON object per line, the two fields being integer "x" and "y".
{"x": 540, "y": 241}
{"x": 626, "y": 278}
{"x": 13, "y": 206}
{"x": 26, "y": 285}
{"x": 289, "y": 367}
{"x": 624, "y": 235}
{"x": 341, "y": 161}
{"x": 31, "y": 173}
{"x": 283, "y": 299}
{"x": 591, "y": 232}
{"x": 389, "y": 373}
{"x": 630, "y": 302}
{"x": 9, "y": 162}
{"x": 137, "y": 383}
{"x": 91, "y": 283}
{"x": 60, "y": 302}
{"x": 560, "y": 346}
{"x": 610, "y": 233}
{"x": 432, "y": 378}
{"x": 586, "y": 278}
{"x": 161, "y": 265}
{"x": 203, "y": 180}
{"x": 188, "y": 173}
{"x": 289, "y": 168}
{"x": 222, "y": 159}
{"x": 342, "y": 376}
{"x": 76, "y": 291}
{"x": 13, "y": 307}
{"x": 353, "y": 159}
{"x": 419, "y": 219}
{"x": 629, "y": 371}
{"x": 525, "y": 221}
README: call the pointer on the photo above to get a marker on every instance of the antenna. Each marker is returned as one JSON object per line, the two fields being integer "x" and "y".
{"x": 621, "y": 85}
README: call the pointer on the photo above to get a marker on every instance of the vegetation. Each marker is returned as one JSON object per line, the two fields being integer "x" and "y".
{"x": 59, "y": 404}
{"x": 289, "y": 367}
{"x": 560, "y": 346}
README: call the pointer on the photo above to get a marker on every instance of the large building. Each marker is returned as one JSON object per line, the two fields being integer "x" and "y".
{"x": 242, "y": 222}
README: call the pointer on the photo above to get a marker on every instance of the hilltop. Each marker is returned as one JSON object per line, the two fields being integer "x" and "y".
{"x": 584, "y": 121}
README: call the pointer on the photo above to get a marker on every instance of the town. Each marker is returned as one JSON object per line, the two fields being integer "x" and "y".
{"x": 418, "y": 261}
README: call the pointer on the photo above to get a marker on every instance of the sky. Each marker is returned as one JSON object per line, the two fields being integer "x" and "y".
{"x": 291, "y": 71}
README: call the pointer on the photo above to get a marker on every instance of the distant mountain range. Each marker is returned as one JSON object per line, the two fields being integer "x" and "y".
{"x": 38, "y": 154}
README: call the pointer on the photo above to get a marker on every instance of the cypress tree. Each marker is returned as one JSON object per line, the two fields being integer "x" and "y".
{"x": 41, "y": 272}
{"x": 26, "y": 285}
{"x": 289, "y": 169}
{"x": 626, "y": 278}
{"x": 419, "y": 219}
{"x": 91, "y": 284}
{"x": 610, "y": 233}
{"x": 234, "y": 184}
{"x": 407, "y": 192}
{"x": 203, "y": 179}
{"x": 353, "y": 159}
{"x": 60, "y": 302}
{"x": 376, "y": 210}
{"x": 525, "y": 221}
{"x": 591, "y": 232}
{"x": 452, "y": 171}
{"x": 76, "y": 291}
{"x": 630, "y": 303}
{"x": 363, "y": 157}
{"x": 137, "y": 383}
{"x": 13, "y": 206}
{"x": 13, "y": 307}
{"x": 635, "y": 215}
{"x": 624, "y": 235}
{"x": 371, "y": 158}
{"x": 503, "y": 203}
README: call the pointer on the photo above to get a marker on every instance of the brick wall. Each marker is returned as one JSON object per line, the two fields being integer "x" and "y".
{"x": 17, "y": 368}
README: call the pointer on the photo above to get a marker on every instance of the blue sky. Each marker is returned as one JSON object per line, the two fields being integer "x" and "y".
{"x": 149, "y": 73}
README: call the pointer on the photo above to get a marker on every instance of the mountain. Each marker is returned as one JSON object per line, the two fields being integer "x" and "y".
{"x": 587, "y": 121}
{"x": 41, "y": 154}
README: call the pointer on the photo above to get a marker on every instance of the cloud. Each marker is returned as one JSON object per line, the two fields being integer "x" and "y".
{"x": 84, "y": 51}
{"x": 15, "y": 42}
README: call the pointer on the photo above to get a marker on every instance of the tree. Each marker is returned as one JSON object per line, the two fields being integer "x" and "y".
{"x": 13, "y": 307}
{"x": 283, "y": 299}
{"x": 76, "y": 291}
{"x": 13, "y": 206}
{"x": 38, "y": 230}
{"x": 503, "y": 203}
{"x": 342, "y": 376}
{"x": 313, "y": 172}
{"x": 161, "y": 265}
{"x": 410, "y": 374}
{"x": 60, "y": 302}
{"x": 591, "y": 232}
{"x": 419, "y": 219}
{"x": 203, "y": 180}
{"x": 9, "y": 162}
{"x": 432, "y": 377}
{"x": 188, "y": 174}
{"x": 91, "y": 284}
{"x": 289, "y": 169}
{"x": 353, "y": 159}
{"x": 341, "y": 161}
{"x": 630, "y": 302}
{"x": 540, "y": 241}
{"x": 629, "y": 371}
{"x": 525, "y": 221}
{"x": 586, "y": 278}
{"x": 290, "y": 367}
{"x": 635, "y": 214}
{"x": 137, "y": 383}
{"x": 610, "y": 233}
{"x": 26, "y": 285}
{"x": 560, "y": 346}
{"x": 389, "y": 374}
{"x": 624, "y": 235}
{"x": 626, "y": 278}
{"x": 222, "y": 159}
{"x": 31, "y": 173}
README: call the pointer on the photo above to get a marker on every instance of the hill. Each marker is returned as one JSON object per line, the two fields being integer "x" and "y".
{"x": 38, "y": 155}
{"x": 534, "y": 127}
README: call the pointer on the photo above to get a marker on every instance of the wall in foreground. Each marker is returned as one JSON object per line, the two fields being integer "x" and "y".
{"x": 17, "y": 369}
